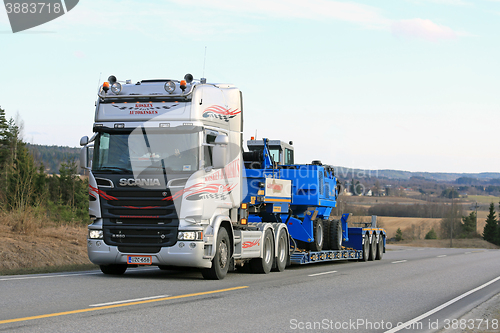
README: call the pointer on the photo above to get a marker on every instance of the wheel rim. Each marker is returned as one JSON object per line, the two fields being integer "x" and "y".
{"x": 282, "y": 249}
{"x": 223, "y": 254}
{"x": 339, "y": 237}
{"x": 320, "y": 234}
{"x": 267, "y": 248}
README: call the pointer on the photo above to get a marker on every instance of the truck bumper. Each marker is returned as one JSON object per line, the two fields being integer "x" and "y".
{"x": 177, "y": 255}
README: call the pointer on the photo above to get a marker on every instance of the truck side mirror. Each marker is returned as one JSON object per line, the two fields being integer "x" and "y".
{"x": 84, "y": 152}
{"x": 220, "y": 151}
{"x": 84, "y": 141}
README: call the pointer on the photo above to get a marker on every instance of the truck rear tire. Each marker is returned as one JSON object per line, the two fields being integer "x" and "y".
{"x": 264, "y": 264}
{"x": 366, "y": 248}
{"x": 317, "y": 244}
{"x": 380, "y": 248}
{"x": 281, "y": 259}
{"x": 326, "y": 235}
{"x": 373, "y": 248}
{"x": 335, "y": 235}
{"x": 220, "y": 262}
{"x": 113, "y": 269}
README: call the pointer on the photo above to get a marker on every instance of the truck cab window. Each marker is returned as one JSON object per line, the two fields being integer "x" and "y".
{"x": 208, "y": 147}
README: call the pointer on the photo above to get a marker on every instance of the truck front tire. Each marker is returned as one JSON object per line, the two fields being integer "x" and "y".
{"x": 220, "y": 263}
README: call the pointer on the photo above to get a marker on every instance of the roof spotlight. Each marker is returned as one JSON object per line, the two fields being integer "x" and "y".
{"x": 188, "y": 77}
{"x": 169, "y": 86}
{"x": 112, "y": 79}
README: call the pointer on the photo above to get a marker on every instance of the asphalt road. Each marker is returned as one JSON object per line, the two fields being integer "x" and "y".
{"x": 409, "y": 290}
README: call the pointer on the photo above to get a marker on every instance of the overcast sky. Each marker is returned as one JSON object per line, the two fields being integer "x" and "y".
{"x": 394, "y": 84}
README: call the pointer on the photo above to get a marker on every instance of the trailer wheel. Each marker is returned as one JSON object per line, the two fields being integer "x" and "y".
{"x": 336, "y": 235}
{"x": 373, "y": 248}
{"x": 366, "y": 248}
{"x": 317, "y": 245}
{"x": 114, "y": 269}
{"x": 264, "y": 264}
{"x": 326, "y": 235}
{"x": 282, "y": 255}
{"x": 380, "y": 248}
{"x": 220, "y": 263}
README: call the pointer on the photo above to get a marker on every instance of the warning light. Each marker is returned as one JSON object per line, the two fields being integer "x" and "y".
{"x": 244, "y": 221}
{"x": 252, "y": 138}
{"x": 105, "y": 86}
{"x": 244, "y": 206}
{"x": 183, "y": 85}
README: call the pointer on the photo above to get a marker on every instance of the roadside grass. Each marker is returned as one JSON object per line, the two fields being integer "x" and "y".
{"x": 49, "y": 269}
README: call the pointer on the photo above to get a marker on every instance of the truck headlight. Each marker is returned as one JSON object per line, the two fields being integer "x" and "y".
{"x": 95, "y": 234}
{"x": 190, "y": 235}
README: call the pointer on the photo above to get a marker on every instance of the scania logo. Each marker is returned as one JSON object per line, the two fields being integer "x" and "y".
{"x": 139, "y": 182}
{"x": 117, "y": 235}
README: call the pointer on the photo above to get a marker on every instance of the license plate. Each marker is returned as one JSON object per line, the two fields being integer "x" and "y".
{"x": 139, "y": 260}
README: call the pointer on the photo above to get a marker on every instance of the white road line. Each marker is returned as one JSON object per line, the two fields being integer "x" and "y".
{"x": 400, "y": 261}
{"x": 60, "y": 275}
{"x": 46, "y": 276}
{"x": 129, "y": 300}
{"x": 441, "y": 256}
{"x": 439, "y": 308}
{"x": 467, "y": 252}
{"x": 323, "y": 273}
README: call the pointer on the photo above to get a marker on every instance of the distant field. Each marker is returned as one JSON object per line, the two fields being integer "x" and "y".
{"x": 486, "y": 199}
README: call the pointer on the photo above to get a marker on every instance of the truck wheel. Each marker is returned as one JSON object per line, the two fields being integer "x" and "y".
{"x": 336, "y": 235}
{"x": 366, "y": 248}
{"x": 281, "y": 259}
{"x": 220, "y": 263}
{"x": 317, "y": 245}
{"x": 113, "y": 269}
{"x": 373, "y": 248}
{"x": 264, "y": 264}
{"x": 380, "y": 248}
{"x": 326, "y": 235}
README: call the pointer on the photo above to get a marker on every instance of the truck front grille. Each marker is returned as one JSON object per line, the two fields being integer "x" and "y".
{"x": 139, "y": 219}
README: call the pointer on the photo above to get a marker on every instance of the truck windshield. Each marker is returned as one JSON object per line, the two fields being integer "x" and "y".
{"x": 145, "y": 149}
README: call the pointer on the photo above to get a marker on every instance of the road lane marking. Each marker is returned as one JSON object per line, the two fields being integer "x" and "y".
{"x": 441, "y": 256}
{"x": 330, "y": 272}
{"x": 398, "y": 262}
{"x": 7, "y": 321}
{"x": 467, "y": 252}
{"x": 129, "y": 300}
{"x": 439, "y": 308}
{"x": 64, "y": 275}
{"x": 46, "y": 276}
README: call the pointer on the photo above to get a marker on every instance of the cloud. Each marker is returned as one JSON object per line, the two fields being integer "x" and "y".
{"x": 445, "y": 2}
{"x": 312, "y": 9}
{"x": 423, "y": 29}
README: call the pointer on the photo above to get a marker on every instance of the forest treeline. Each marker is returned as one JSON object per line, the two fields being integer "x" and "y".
{"x": 25, "y": 186}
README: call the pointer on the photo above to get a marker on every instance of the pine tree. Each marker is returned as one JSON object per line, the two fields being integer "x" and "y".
{"x": 490, "y": 229}
{"x": 399, "y": 235}
{"x": 4, "y": 138}
{"x": 468, "y": 225}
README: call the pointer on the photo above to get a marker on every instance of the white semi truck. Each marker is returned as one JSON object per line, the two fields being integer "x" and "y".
{"x": 169, "y": 185}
